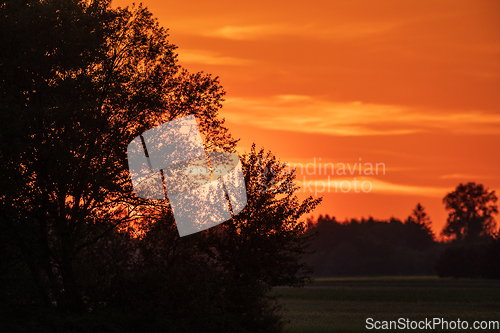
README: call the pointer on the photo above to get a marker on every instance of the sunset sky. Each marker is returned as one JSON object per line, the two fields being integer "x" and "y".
{"x": 414, "y": 85}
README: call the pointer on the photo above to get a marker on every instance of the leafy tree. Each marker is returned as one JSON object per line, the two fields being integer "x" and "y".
{"x": 78, "y": 81}
{"x": 471, "y": 213}
{"x": 471, "y": 225}
{"x": 265, "y": 242}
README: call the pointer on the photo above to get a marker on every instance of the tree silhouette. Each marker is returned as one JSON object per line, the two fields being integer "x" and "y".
{"x": 265, "y": 242}
{"x": 420, "y": 221}
{"x": 471, "y": 213}
{"x": 79, "y": 81}
{"x": 419, "y": 216}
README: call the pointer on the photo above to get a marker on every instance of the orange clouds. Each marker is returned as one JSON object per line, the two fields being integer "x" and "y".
{"x": 314, "y": 115}
{"x": 210, "y": 58}
{"x": 358, "y": 184}
{"x": 412, "y": 84}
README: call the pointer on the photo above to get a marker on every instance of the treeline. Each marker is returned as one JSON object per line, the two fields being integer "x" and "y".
{"x": 469, "y": 247}
{"x": 370, "y": 247}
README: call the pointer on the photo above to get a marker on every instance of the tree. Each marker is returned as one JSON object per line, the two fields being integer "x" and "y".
{"x": 420, "y": 217}
{"x": 80, "y": 80}
{"x": 265, "y": 242}
{"x": 420, "y": 222}
{"x": 471, "y": 213}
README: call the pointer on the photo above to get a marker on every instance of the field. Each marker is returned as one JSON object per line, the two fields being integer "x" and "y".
{"x": 344, "y": 304}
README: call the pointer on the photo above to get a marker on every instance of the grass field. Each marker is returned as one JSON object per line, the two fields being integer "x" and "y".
{"x": 344, "y": 304}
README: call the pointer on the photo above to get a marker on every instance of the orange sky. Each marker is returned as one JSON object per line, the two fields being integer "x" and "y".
{"x": 414, "y": 85}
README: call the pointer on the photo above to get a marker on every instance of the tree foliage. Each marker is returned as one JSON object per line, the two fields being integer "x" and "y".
{"x": 471, "y": 213}
{"x": 473, "y": 251}
{"x": 80, "y": 80}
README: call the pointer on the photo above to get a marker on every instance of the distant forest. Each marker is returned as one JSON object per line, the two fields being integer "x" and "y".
{"x": 370, "y": 247}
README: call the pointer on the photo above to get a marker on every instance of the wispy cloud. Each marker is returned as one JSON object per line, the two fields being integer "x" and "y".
{"x": 466, "y": 176}
{"x": 367, "y": 185}
{"x": 335, "y": 32}
{"x": 314, "y": 115}
{"x": 245, "y": 32}
{"x": 210, "y": 58}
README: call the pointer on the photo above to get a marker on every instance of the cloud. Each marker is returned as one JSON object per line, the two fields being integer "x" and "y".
{"x": 210, "y": 58}
{"x": 298, "y": 113}
{"x": 466, "y": 176}
{"x": 245, "y": 32}
{"x": 367, "y": 185}
{"x": 336, "y": 32}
